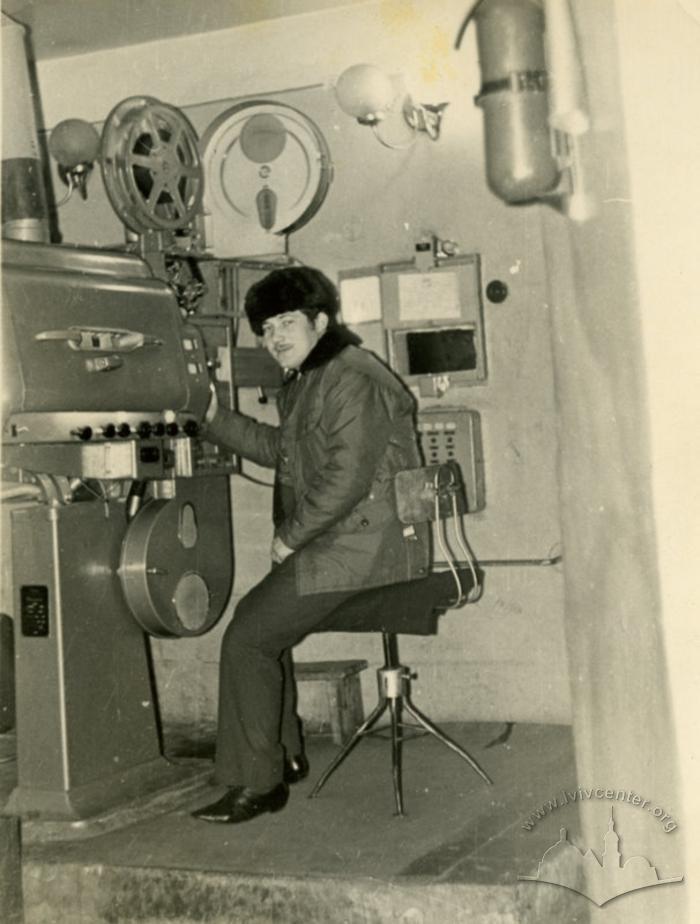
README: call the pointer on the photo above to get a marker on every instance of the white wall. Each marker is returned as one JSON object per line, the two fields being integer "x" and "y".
{"x": 662, "y": 123}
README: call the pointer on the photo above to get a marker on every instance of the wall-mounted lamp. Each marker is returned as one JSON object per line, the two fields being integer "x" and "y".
{"x": 371, "y": 96}
{"x": 75, "y": 145}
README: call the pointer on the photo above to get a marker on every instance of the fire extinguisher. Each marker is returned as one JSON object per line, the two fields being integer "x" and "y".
{"x": 520, "y": 165}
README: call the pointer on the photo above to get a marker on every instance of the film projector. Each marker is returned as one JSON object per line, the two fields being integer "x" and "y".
{"x": 119, "y": 512}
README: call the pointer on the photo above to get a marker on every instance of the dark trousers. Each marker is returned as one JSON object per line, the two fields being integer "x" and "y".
{"x": 257, "y": 695}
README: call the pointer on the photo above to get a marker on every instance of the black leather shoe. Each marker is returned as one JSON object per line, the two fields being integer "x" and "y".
{"x": 242, "y": 804}
{"x": 296, "y": 769}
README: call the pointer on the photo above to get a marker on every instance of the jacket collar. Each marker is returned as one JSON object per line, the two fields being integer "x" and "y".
{"x": 328, "y": 347}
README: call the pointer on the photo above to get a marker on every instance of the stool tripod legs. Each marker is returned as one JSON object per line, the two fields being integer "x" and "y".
{"x": 394, "y": 694}
{"x": 396, "y": 742}
{"x": 376, "y": 714}
{"x": 445, "y": 739}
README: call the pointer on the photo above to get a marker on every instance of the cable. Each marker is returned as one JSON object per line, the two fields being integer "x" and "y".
{"x": 265, "y": 484}
{"x": 19, "y": 489}
{"x": 476, "y": 589}
{"x": 100, "y": 495}
{"x": 467, "y": 19}
{"x": 451, "y": 489}
{"x": 447, "y": 552}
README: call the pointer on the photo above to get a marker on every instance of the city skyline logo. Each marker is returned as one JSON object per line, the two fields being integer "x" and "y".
{"x": 600, "y": 881}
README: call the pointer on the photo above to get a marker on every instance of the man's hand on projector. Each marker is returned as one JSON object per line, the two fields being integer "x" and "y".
{"x": 279, "y": 551}
{"x": 213, "y": 404}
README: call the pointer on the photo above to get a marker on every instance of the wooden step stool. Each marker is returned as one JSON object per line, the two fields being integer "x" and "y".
{"x": 333, "y": 701}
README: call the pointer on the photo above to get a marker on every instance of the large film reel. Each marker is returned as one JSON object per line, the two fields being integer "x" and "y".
{"x": 151, "y": 166}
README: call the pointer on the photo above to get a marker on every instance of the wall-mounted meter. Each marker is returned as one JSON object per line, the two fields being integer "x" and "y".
{"x": 431, "y": 315}
{"x": 434, "y": 322}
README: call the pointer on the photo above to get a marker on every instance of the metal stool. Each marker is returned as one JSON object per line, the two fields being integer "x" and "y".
{"x": 434, "y": 493}
{"x": 394, "y": 681}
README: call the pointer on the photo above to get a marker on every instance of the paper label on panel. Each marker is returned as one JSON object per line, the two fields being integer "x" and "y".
{"x": 428, "y": 296}
{"x": 360, "y": 299}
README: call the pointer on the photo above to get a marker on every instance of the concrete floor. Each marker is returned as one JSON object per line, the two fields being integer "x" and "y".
{"x": 342, "y": 857}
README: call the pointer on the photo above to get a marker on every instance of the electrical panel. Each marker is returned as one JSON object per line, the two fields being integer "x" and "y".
{"x": 433, "y": 317}
{"x": 430, "y": 314}
{"x": 454, "y": 435}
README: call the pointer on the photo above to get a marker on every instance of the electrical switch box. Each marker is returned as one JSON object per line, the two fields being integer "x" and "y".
{"x": 454, "y": 435}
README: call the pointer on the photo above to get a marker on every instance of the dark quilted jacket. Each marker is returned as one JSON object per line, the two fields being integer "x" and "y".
{"x": 346, "y": 428}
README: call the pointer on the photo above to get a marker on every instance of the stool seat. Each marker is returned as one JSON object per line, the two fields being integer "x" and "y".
{"x": 407, "y": 608}
{"x": 411, "y": 608}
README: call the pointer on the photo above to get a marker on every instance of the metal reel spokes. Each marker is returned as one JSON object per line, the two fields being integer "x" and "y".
{"x": 151, "y": 165}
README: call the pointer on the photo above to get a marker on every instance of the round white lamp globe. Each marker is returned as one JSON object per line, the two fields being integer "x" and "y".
{"x": 365, "y": 92}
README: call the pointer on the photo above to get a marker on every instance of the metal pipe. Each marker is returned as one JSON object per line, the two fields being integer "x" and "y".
{"x": 521, "y": 562}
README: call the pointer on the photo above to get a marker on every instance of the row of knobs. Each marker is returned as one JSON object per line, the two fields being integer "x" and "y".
{"x": 144, "y": 430}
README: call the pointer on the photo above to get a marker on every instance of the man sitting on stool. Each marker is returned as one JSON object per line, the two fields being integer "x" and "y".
{"x": 346, "y": 428}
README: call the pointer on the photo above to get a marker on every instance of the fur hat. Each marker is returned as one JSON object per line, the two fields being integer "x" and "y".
{"x": 291, "y": 288}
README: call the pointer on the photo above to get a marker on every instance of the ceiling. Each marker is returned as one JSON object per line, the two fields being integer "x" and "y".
{"x": 59, "y": 28}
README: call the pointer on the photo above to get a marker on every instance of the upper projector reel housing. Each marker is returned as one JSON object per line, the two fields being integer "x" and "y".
{"x": 151, "y": 165}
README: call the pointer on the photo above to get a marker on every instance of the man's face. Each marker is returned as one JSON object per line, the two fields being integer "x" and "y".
{"x": 290, "y": 337}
